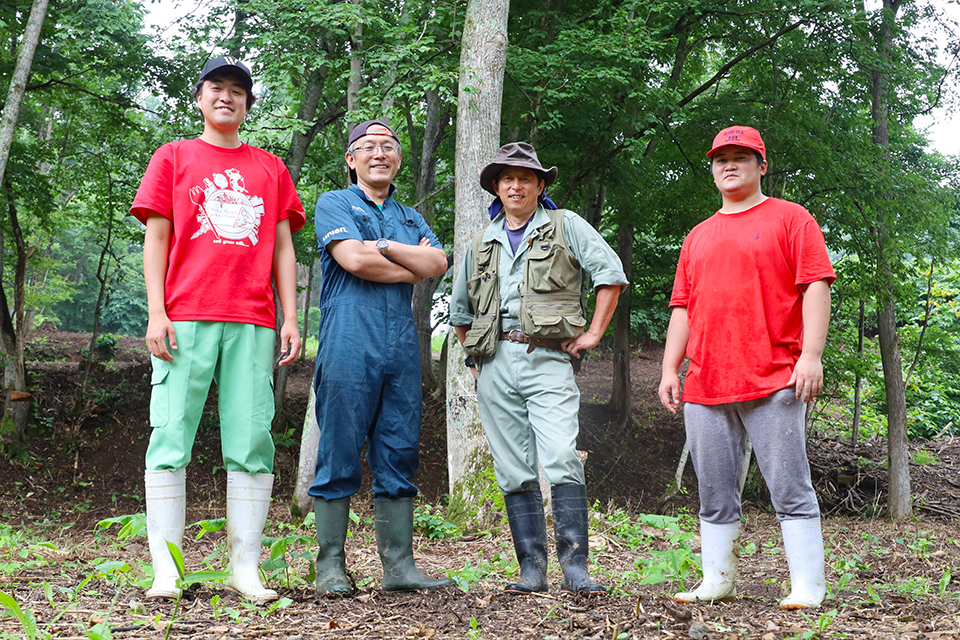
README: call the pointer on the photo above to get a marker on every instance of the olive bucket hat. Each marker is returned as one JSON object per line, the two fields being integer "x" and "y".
{"x": 515, "y": 154}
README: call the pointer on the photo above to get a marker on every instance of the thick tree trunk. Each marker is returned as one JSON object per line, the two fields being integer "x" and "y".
{"x": 434, "y": 131}
{"x": 482, "y": 62}
{"x": 307, "y": 468}
{"x": 306, "y": 113}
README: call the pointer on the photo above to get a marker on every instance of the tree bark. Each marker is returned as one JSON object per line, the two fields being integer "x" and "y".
{"x": 482, "y": 62}
{"x": 17, "y": 399}
{"x": 434, "y": 131}
{"x": 307, "y": 467}
{"x": 899, "y": 500}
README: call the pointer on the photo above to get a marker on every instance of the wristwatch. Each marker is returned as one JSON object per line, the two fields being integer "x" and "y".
{"x": 382, "y": 245}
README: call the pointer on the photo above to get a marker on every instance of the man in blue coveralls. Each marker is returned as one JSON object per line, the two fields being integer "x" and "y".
{"x": 368, "y": 384}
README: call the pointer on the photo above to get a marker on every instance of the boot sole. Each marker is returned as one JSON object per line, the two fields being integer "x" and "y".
{"x": 252, "y": 598}
{"x": 699, "y": 601}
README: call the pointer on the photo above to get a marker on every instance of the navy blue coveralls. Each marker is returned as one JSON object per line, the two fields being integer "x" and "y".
{"x": 368, "y": 382}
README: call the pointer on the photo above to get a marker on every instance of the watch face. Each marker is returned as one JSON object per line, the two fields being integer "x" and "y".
{"x": 382, "y": 245}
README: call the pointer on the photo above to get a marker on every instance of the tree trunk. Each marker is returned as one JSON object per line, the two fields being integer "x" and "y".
{"x": 434, "y": 131}
{"x": 306, "y": 113}
{"x": 308, "y": 295}
{"x": 482, "y": 62}
{"x": 899, "y": 500}
{"x": 18, "y": 85}
{"x": 17, "y": 400}
{"x": 858, "y": 382}
{"x": 307, "y": 467}
{"x": 622, "y": 397}
{"x": 103, "y": 277}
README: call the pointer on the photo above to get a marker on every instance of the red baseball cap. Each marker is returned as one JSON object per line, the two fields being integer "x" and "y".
{"x": 739, "y": 136}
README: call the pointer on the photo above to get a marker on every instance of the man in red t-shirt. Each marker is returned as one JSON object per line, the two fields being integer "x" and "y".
{"x": 751, "y": 305}
{"x": 219, "y": 215}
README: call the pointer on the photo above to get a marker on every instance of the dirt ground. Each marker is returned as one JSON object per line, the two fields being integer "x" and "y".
{"x": 85, "y": 463}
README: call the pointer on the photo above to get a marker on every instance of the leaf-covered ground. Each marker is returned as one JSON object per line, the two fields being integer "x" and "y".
{"x": 896, "y": 583}
{"x": 85, "y": 464}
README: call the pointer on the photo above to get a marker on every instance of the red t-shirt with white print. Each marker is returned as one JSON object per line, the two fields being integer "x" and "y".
{"x": 225, "y": 205}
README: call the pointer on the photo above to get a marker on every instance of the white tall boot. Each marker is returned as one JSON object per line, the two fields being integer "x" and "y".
{"x": 803, "y": 543}
{"x": 248, "y": 502}
{"x": 720, "y": 550}
{"x": 166, "y": 511}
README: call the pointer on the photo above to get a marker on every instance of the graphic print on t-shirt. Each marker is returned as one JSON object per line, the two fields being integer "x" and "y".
{"x": 227, "y": 209}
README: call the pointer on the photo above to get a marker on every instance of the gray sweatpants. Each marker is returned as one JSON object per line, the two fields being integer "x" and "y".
{"x": 717, "y": 436}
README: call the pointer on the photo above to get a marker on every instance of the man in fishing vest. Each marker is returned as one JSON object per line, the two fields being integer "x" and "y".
{"x": 518, "y": 311}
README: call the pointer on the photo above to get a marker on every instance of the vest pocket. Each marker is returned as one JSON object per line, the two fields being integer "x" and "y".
{"x": 483, "y": 336}
{"x": 550, "y": 267}
{"x": 483, "y": 290}
{"x": 551, "y": 316}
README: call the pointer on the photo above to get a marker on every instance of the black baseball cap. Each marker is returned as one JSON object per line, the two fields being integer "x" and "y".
{"x": 369, "y": 128}
{"x": 227, "y": 63}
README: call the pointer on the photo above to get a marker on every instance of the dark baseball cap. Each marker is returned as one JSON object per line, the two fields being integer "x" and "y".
{"x": 231, "y": 65}
{"x": 369, "y": 128}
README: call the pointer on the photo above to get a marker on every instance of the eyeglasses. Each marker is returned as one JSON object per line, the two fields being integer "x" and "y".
{"x": 369, "y": 149}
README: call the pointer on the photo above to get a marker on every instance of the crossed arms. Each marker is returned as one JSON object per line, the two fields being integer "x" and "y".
{"x": 403, "y": 262}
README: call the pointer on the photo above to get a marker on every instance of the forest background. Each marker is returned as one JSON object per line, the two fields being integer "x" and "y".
{"x": 623, "y": 96}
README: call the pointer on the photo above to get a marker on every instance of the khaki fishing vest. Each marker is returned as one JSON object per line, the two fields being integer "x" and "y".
{"x": 551, "y": 291}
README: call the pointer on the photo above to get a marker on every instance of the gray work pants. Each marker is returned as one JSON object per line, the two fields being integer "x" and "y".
{"x": 717, "y": 436}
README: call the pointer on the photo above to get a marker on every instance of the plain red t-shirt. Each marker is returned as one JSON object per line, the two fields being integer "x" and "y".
{"x": 225, "y": 205}
{"x": 739, "y": 277}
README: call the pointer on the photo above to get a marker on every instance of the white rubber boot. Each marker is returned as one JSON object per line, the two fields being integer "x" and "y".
{"x": 803, "y": 544}
{"x": 720, "y": 550}
{"x": 166, "y": 511}
{"x": 248, "y": 502}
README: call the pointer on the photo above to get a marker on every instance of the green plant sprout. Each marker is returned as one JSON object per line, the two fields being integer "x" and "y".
{"x": 26, "y": 617}
{"x": 820, "y": 624}
{"x": 185, "y": 580}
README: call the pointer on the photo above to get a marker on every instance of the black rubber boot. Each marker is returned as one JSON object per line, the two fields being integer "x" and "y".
{"x": 332, "y": 517}
{"x": 393, "y": 520}
{"x": 573, "y": 542}
{"x": 529, "y": 530}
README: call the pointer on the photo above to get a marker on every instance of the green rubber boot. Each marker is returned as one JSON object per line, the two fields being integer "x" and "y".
{"x": 394, "y": 524}
{"x": 332, "y": 517}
